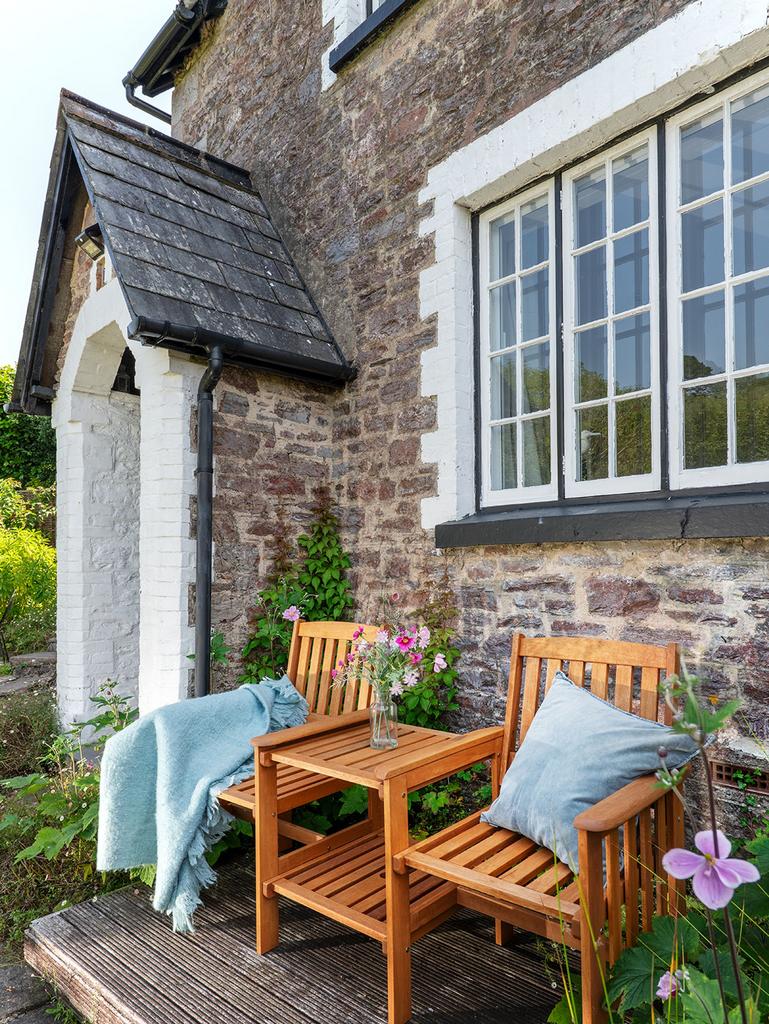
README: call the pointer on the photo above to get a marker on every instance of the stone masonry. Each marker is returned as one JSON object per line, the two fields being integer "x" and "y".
{"x": 342, "y": 167}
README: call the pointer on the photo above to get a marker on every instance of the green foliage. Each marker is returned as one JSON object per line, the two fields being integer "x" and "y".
{"x": 315, "y": 582}
{"x": 31, "y": 632}
{"x": 27, "y": 577}
{"x": 321, "y": 575}
{"x": 750, "y": 817}
{"x": 62, "y": 1013}
{"x": 48, "y": 822}
{"x": 31, "y": 508}
{"x": 27, "y": 443}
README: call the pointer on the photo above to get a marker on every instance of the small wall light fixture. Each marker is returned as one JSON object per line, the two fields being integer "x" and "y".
{"x": 91, "y": 242}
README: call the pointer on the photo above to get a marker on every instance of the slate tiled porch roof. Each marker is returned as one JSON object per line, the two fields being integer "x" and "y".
{"x": 192, "y": 244}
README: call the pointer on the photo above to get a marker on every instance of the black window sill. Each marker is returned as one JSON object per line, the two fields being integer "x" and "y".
{"x": 724, "y": 515}
{"x": 361, "y": 36}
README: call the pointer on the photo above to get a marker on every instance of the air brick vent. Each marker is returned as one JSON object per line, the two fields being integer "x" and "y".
{"x": 750, "y": 780}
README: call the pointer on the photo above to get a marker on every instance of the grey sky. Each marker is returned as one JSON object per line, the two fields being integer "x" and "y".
{"x": 46, "y": 45}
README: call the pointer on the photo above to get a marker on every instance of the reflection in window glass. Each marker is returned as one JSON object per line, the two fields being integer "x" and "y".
{"x": 704, "y": 335}
{"x": 592, "y": 364}
{"x": 703, "y": 245}
{"x": 702, "y": 158}
{"x": 593, "y": 442}
{"x": 751, "y": 323}
{"x": 516, "y": 408}
{"x": 752, "y": 416}
{"x": 634, "y": 436}
{"x": 631, "y": 271}
{"x": 632, "y": 354}
{"x": 750, "y": 227}
{"x": 630, "y": 189}
{"x": 705, "y": 426}
{"x": 750, "y": 135}
{"x": 591, "y": 285}
{"x": 590, "y": 208}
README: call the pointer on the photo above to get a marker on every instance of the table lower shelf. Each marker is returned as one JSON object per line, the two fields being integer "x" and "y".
{"x": 348, "y": 885}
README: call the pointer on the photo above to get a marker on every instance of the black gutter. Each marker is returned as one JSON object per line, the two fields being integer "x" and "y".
{"x": 148, "y": 108}
{"x": 199, "y": 341}
{"x": 204, "y": 538}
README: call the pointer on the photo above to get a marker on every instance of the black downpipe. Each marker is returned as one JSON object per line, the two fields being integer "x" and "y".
{"x": 205, "y": 496}
{"x": 140, "y": 104}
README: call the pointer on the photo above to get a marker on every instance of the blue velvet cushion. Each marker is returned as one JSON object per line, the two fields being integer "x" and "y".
{"x": 578, "y": 750}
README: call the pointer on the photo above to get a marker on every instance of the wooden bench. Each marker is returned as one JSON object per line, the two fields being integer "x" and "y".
{"x": 518, "y": 883}
{"x": 316, "y": 648}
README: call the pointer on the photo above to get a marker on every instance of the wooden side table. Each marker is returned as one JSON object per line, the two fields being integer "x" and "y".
{"x": 355, "y": 876}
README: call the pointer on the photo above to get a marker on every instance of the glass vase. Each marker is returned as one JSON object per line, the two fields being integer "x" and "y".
{"x": 383, "y": 715}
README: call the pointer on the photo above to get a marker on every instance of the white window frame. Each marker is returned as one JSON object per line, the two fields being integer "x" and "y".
{"x": 612, "y": 484}
{"x": 733, "y": 472}
{"x": 519, "y": 495}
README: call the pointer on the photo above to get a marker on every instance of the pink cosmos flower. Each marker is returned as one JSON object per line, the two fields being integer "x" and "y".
{"x": 357, "y": 633}
{"x": 715, "y": 874}
{"x": 440, "y": 663}
{"x": 405, "y": 642}
{"x": 334, "y": 673}
{"x": 424, "y": 637}
{"x": 415, "y": 657}
{"x": 670, "y": 984}
{"x": 350, "y": 658}
{"x": 292, "y": 614}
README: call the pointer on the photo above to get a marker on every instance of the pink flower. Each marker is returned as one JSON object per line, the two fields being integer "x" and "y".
{"x": 334, "y": 673}
{"x": 292, "y": 614}
{"x": 405, "y": 642}
{"x": 357, "y": 633}
{"x": 340, "y": 663}
{"x": 383, "y": 637}
{"x": 424, "y": 637}
{"x": 411, "y": 678}
{"x": 670, "y": 984}
{"x": 396, "y": 689}
{"x": 440, "y": 663}
{"x": 716, "y": 875}
{"x": 350, "y": 658}
{"x": 395, "y": 598}
{"x": 415, "y": 657}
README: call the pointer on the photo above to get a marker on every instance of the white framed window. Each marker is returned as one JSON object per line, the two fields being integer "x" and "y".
{"x": 718, "y": 272}
{"x": 517, "y": 350}
{"x": 611, "y": 322}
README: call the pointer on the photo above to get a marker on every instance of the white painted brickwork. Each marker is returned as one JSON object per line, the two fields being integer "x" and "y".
{"x": 705, "y": 43}
{"x": 125, "y": 471}
{"x": 168, "y": 385}
{"x": 346, "y": 15}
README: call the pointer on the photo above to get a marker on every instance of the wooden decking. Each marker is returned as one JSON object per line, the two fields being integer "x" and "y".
{"x": 118, "y": 962}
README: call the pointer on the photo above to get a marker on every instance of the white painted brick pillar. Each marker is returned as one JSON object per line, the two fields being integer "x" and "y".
{"x": 168, "y": 385}
{"x": 97, "y": 441}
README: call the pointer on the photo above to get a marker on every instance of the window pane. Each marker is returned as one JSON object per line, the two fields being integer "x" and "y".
{"x": 534, "y": 305}
{"x": 702, "y": 158}
{"x": 503, "y": 460}
{"x": 752, "y": 401}
{"x": 631, "y": 271}
{"x": 591, "y": 285}
{"x": 502, "y": 316}
{"x": 534, "y": 232}
{"x": 634, "y": 436}
{"x": 503, "y": 386}
{"x": 751, "y": 323}
{"x": 632, "y": 369}
{"x": 704, "y": 336}
{"x": 536, "y": 377}
{"x": 593, "y": 443}
{"x": 590, "y": 208}
{"x": 705, "y": 426}
{"x": 592, "y": 364}
{"x": 703, "y": 245}
{"x": 750, "y": 135}
{"x": 502, "y": 246}
{"x": 631, "y": 189}
{"x": 750, "y": 211}
{"x": 536, "y": 452}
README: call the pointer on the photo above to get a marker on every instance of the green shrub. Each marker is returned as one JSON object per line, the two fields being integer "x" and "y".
{"x": 27, "y": 443}
{"x": 27, "y": 578}
{"x": 49, "y": 821}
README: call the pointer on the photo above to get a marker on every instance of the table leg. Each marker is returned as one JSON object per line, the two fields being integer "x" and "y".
{"x": 266, "y": 837}
{"x": 396, "y": 831}
{"x": 375, "y": 810}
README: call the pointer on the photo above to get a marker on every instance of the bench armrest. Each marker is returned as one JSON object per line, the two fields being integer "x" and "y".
{"x": 452, "y": 755}
{"x": 316, "y": 726}
{"x": 618, "y": 808}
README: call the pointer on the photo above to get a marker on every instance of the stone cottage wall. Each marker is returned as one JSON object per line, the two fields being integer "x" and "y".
{"x": 341, "y": 169}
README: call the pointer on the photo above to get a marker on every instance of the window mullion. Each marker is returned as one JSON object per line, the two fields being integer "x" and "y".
{"x": 611, "y": 411}
{"x": 729, "y": 362}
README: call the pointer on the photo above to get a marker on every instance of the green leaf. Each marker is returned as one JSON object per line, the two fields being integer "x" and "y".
{"x": 701, "y": 1000}
{"x": 562, "y": 1012}
{"x": 672, "y": 938}
{"x": 354, "y": 800}
{"x": 634, "y": 979}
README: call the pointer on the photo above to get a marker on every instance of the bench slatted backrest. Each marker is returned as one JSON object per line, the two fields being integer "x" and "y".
{"x": 626, "y": 674}
{"x": 316, "y": 649}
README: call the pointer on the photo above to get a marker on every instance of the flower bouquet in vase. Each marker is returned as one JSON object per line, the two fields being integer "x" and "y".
{"x": 392, "y": 663}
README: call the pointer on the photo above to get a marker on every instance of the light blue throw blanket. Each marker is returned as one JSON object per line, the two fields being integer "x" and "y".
{"x": 161, "y": 776}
